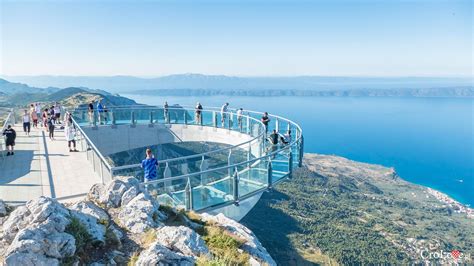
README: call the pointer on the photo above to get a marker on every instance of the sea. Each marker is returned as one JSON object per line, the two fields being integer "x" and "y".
{"x": 429, "y": 141}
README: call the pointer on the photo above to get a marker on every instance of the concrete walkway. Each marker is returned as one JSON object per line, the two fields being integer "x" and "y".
{"x": 44, "y": 167}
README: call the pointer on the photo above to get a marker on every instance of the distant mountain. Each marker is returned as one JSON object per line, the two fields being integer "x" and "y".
{"x": 10, "y": 88}
{"x": 16, "y": 94}
{"x": 221, "y": 82}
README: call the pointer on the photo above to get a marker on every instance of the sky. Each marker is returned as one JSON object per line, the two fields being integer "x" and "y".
{"x": 241, "y": 38}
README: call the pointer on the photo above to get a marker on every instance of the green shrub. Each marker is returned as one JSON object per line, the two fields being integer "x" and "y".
{"x": 82, "y": 236}
{"x": 224, "y": 247}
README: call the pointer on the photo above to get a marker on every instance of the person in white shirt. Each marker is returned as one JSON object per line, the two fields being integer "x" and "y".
{"x": 57, "y": 113}
{"x": 38, "y": 111}
{"x": 71, "y": 137}
{"x": 240, "y": 113}
{"x": 224, "y": 109}
{"x": 26, "y": 122}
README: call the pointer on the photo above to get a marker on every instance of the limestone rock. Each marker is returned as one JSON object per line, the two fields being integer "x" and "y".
{"x": 128, "y": 195}
{"x": 92, "y": 225}
{"x": 3, "y": 208}
{"x": 252, "y": 244}
{"x": 139, "y": 214}
{"x": 30, "y": 259}
{"x": 89, "y": 208}
{"x": 157, "y": 254}
{"x": 183, "y": 240}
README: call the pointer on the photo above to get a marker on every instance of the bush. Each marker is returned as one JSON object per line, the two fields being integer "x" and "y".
{"x": 81, "y": 235}
{"x": 224, "y": 247}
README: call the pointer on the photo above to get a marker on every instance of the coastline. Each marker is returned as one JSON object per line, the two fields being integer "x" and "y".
{"x": 455, "y": 205}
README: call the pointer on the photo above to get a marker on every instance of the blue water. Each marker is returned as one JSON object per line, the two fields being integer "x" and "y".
{"x": 429, "y": 141}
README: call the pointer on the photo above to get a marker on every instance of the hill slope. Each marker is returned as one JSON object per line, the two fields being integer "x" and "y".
{"x": 335, "y": 209}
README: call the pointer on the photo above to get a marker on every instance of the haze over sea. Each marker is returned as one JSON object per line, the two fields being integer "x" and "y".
{"x": 429, "y": 141}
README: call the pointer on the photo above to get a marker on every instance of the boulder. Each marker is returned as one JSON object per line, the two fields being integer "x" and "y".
{"x": 140, "y": 214}
{"x": 157, "y": 254}
{"x": 3, "y": 208}
{"x": 128, "y": 195}
{"x": 95, "y": 229}
{"x": 252, "y": 245}
{"x": 30, "y": 259}
{"x": 183, "y": 240}
{"x": 89, "y": 208}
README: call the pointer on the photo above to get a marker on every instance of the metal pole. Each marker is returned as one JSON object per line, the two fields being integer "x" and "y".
{"x": 203, "y": 167}
{"x": 235, "y": 182}
{"x": 277, "y": 125}
{"x": 229, "y": 163}
{"x": 132, "y": 119}
{"x": 290, "y": 164}
{"x": 151, "y": 117}
{"x": 301, "y": 152}
{"x": 249, "y": 155}
{"x": 185, "y": 118}
{"x": 188, "y": 196}
{"x": 248, "y": 124}
{"x": 114, "y": 121}
{"x": 269, "y": 174}
{"x": 214, "y": 118}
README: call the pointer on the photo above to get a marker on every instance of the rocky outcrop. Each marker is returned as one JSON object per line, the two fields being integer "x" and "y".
{"x": 35, "y": 233}
{"x": 140, "y": 214}
{"x": 252, "y": 245}
{"x": 3, "y": 209}
{"x": 108, "y": 228}
{"x": 175, "y": 245}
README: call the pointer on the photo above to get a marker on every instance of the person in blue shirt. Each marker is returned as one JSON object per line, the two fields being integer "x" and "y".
{"x": 100, "y": 110}
{"x": 149, "y": 166}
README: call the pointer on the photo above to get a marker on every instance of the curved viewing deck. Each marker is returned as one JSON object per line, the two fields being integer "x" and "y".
{"x": 216, "y": 162}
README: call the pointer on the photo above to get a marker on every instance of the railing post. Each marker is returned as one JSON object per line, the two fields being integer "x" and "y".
{"x": 229, "y": 162}
{"x": 290, "y": 164}
{"x": 167, "y": 174}
{"x": 301, "y": 152}
{"x": 185, "y": 118}
{"x": 288, "y": 128}
{"x": 188, "y": 196}
{"x": 249, "y": 126}
{"x": 214, "y": 118}
{"x": 231, "y": 120}
{"x": 249, "y": 154}
{"x": 94, "y": 119}
{"x": 269, "y": 174}
{"x": 277, "y": 125}
{"x": 151, "y": 118}
{"x": 235, "y": 187}
{"x": 114, "y": 121}
{"x": 132, "y": 119}
{"x": 203, "y": 167}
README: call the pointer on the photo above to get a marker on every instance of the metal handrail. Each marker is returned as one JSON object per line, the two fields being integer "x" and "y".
{"x": 186, "y": 108}
{"x": 117, "y": 168}
{"x": 94, "y": 148}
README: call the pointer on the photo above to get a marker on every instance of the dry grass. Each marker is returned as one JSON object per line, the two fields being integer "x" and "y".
{"x": 148, "y": 238}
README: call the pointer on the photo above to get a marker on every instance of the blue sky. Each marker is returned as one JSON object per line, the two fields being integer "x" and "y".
{"x": 246, "y": 38}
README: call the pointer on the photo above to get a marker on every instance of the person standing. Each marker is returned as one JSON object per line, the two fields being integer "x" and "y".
{"x": 34, "y": 117}
{"x": 166, "y": 113}
{"x": 71, "y": 137}
{"x": 90, "y": 111}
{"x": 26, "y": 122}
{"x": 224, "y": 109}
{"x": 240, "y": 113}
{"x": 100, "y": 110}
{"x": 45, "y": 118}
{"x": 50, "y": 124}
{"x": 57, "y": 113}
{"x": 38, "y": 110}
{"x": 265, "y": 120}
{"x": 198, "y": 112}
{"x": 10, "y": 136}
{"x": 149, "y": 166}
